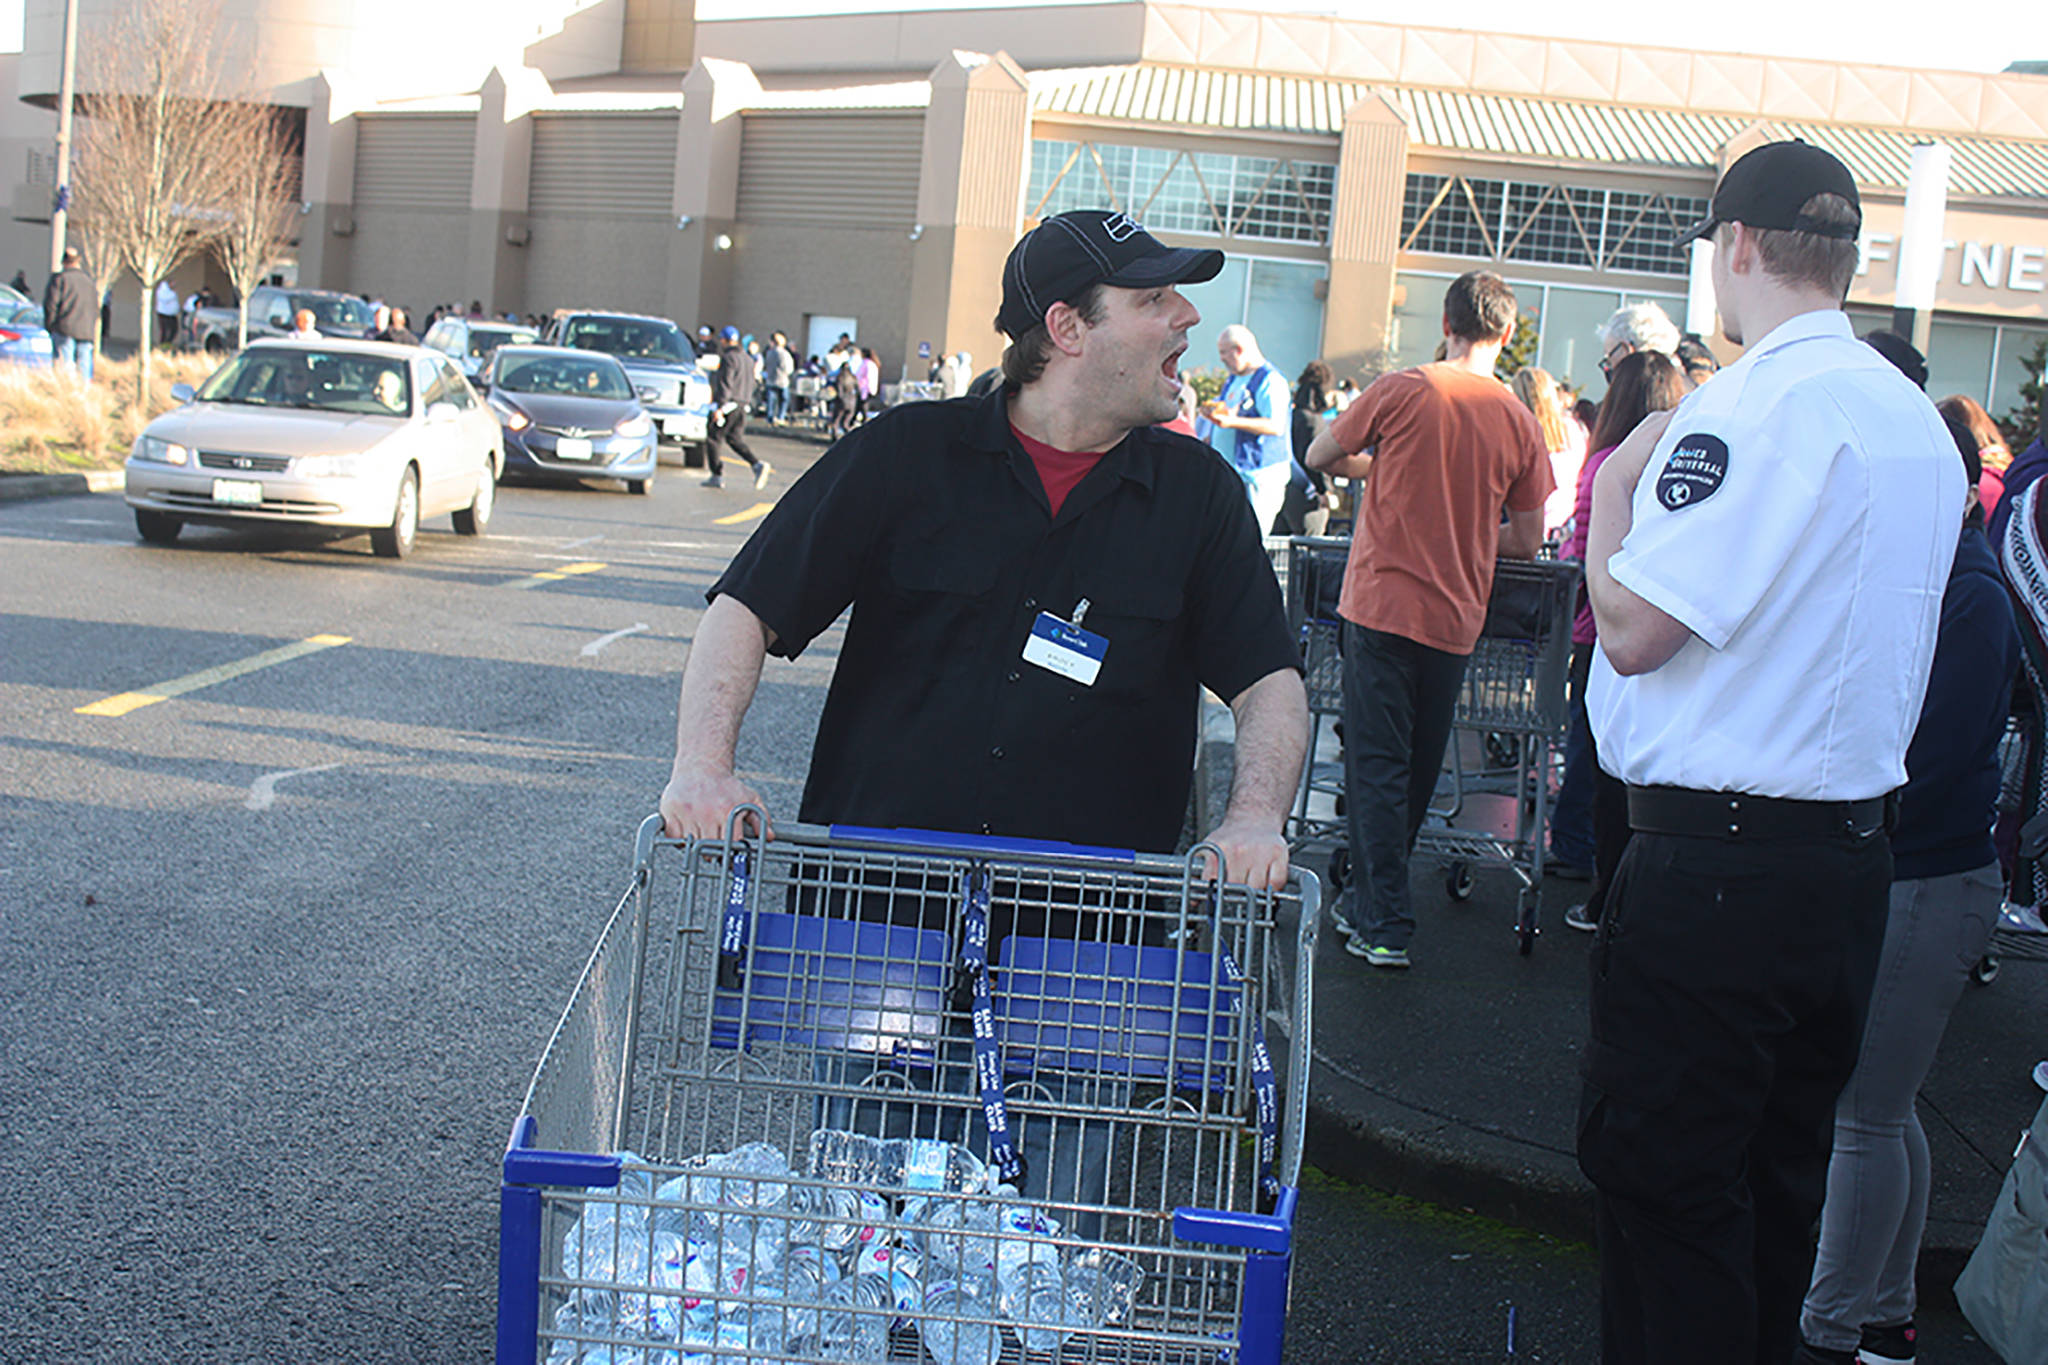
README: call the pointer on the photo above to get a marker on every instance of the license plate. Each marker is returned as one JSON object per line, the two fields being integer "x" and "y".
{"x": 684, "y": 426}
{"x": 572, "y": 448}
{"x": 238, "y": 492}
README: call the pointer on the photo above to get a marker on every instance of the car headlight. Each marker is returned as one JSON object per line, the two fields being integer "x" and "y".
{"x": 638, "y": 424}
{"x": 511, "y": 418}
{"x": 327, "y": 466}
{"x": 156, "y": 449}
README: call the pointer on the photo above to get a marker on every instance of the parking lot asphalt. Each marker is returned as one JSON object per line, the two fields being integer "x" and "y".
{"x": 302, "y": 850}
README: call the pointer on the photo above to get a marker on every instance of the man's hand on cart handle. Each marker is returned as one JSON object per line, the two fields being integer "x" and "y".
{"x": 1254, "y": 854}
{"x": 699, "y": 802}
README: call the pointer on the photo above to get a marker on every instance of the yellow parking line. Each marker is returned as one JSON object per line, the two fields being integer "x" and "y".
{"x": 556, "y": 575}
{"x": 122, "y": 703}
{"x": 754, "y": 513}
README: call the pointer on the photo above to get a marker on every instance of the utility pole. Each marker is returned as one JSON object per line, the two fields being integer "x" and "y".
{"x": 60, "y": 211}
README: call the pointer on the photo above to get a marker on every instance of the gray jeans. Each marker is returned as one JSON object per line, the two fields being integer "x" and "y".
{"x": 1878, "y": 1177}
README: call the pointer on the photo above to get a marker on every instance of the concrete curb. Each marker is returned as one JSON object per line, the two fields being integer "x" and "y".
{"x": 1357, "y": 1134}
{"x": 19, "y": 487}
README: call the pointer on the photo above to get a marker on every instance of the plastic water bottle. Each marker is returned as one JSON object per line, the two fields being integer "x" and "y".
{"x": 1034, "y": 1296}
{"x": 839, "y": 1220}
{"x": 1026, "y": 1238}
{"x": 956, "y": 1237}
{"x": 801, "y": 1282}
{"x": 917, "y": 1164}
{"x": 755, "y": 1176}
{"x": 975, "y": 1341}
{"x": 1102, "y": 1286}
{"x": 856, "y": 1336}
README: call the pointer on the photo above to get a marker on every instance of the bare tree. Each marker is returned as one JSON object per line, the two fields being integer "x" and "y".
{"x": 262, "y": 203}
{"x": 151, "y": 185}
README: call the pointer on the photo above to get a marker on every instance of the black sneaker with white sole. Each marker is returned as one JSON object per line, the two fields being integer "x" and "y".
{"x": 1888, "y": 1345}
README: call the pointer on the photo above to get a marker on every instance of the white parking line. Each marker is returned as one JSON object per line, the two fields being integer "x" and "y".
{"x": 587, "y": 540}
{"x": 263, "y": 791}
{"x": 590, "y": 650}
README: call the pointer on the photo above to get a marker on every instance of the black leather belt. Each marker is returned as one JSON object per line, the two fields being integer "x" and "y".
{"x": 1737, "y": 815}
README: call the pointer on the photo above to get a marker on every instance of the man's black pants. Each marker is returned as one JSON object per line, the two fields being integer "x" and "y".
{"x": 1729, "y": 986}
{"x": 729, "y": 430}
{"x": 1399, "y": 697}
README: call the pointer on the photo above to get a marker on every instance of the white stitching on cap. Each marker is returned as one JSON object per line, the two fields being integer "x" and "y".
{"x": 1093, "y": 251}
{"x": 1024, "y": 278}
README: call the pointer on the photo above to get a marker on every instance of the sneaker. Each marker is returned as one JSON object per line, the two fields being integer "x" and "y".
{"x": 1575, "y": 917}
{"x": 1340, "y": 920}
{"x": 715, "y": 481}
{"x": 761, "y": 474}
{"x": 1887, "y": 1345}
{"x": 2022, "y": 919}
{"x": 1376, "y": 956}
{"x": 2041, "y": 1075}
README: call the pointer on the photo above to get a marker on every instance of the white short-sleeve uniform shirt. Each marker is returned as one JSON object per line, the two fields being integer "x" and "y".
{"x": 1798, "y": 516}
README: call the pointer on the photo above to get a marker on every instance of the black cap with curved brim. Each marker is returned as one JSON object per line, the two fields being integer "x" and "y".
{"x": 1767, "y": 187}
{"x": 1063, "y": 256}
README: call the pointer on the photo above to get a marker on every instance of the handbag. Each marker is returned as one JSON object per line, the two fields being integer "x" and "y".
{"x": 2003, "y": 1291}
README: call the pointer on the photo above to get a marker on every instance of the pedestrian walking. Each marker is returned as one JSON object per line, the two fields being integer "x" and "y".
{"x": 1766, "y": 568}
{"x": 1446, "y": 454}
{"x": 71, "y": 313}
{"x": 732, "y": 395}
{"x": 166, "y": 313}
{"x": 778, "y": 366}
{"x": 1945, "y": 893}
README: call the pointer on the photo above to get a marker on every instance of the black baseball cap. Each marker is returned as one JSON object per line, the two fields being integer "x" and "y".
{"x": 1064, "y": 255}
{"x": 1767, "y": 187}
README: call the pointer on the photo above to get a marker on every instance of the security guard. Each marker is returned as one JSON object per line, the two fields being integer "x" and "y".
{"x": 1766, "y": 565}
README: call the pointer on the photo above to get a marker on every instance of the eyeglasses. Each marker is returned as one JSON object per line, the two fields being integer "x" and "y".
{"x": 1622, "y": 351}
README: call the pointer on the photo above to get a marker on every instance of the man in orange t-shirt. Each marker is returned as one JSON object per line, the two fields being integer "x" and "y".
{"x": 1443, "y": 450}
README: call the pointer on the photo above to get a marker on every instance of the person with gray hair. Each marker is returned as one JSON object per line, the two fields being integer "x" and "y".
{"x": 1249, "y": 423}
{"x": 1638, "y": 327}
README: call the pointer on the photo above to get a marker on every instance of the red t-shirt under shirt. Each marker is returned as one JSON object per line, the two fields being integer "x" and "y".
{"x": 1059, "y": 470}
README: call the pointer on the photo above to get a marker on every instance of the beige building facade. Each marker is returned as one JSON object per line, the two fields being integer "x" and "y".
{"x": 868, "y": 173}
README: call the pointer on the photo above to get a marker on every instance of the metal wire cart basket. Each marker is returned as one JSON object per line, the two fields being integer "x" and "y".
{"x": 865, "y": 1095}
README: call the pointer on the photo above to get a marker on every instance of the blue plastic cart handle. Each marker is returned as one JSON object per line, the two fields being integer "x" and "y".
{"x": 527, "y": 1165}
{"x": 1272, "y": 1232}
{"x": 981, "y": 845}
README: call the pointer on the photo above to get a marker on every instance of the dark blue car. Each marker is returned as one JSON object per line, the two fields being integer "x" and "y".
{"x": 569, "y": 415}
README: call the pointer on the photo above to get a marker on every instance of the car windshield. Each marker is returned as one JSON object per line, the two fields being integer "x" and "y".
{"x": 335, "y": 313}
{"x": 484, "y": 340}
{"x": 324, "y": 381}
{"x": 567, "y": 376}
{"x": 630, "y": 338}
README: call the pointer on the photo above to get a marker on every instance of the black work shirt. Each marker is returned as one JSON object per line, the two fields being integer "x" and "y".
{"x": 932, "y": 523}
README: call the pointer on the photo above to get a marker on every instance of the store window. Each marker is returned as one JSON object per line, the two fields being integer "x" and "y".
{"x": 1276, "y": 299}
{"x": 1547, "y": 224}
{"x": 1255, "y": 198}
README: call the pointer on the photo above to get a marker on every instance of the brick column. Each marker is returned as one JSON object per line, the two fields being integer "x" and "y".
{"x": 1365, "y": 228}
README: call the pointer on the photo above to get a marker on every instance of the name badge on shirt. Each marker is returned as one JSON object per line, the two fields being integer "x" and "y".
{"x": 1064, "y": 648}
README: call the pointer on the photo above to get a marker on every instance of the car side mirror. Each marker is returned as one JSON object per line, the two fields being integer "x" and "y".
{"x": 183, "y": 393}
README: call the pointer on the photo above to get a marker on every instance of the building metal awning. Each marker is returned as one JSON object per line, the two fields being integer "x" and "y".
{"x": 1483, "y": 124}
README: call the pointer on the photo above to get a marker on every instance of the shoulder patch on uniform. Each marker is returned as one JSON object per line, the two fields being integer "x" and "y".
{"x": 1697, "y": 465}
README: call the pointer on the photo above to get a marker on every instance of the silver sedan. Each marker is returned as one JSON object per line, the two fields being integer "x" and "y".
{"x": 329, "y": 433}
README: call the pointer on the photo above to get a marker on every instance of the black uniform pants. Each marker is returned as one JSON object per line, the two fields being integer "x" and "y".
{"x": 1730, "y": 982}
{"x": 729, "y": 430}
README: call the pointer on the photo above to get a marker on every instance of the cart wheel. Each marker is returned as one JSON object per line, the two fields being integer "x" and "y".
{"x": 1502, "y": 751}
{"x": 1458, "y": 881}
{"x": 1525, "y": 923}
{"x": 1986, "y": 970}
{"x": 1340, "y": 870}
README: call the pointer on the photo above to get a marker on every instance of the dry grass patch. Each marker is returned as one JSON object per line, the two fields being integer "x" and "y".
{"x": 52, "y": 424}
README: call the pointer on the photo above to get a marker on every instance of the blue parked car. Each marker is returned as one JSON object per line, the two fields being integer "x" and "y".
{"x": 569, "y": 415}
{"x": 23, "y": 338}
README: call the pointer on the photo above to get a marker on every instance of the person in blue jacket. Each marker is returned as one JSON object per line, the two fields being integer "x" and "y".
{"x": 1945, "y": 896}
{"x": 2030, "y": 465}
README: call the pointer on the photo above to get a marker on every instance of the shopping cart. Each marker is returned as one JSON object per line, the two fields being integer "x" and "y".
{"x": 1090, "y": 1021}
{"x": 1310, "y": 586}
{"x": 1514, "y": 695}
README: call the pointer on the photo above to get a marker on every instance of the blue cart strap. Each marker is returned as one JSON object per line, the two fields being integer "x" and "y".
{"x": 1265, "y": 1090}
{"x": 732, "y": 938}
{"x": 988, "y": 1058}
